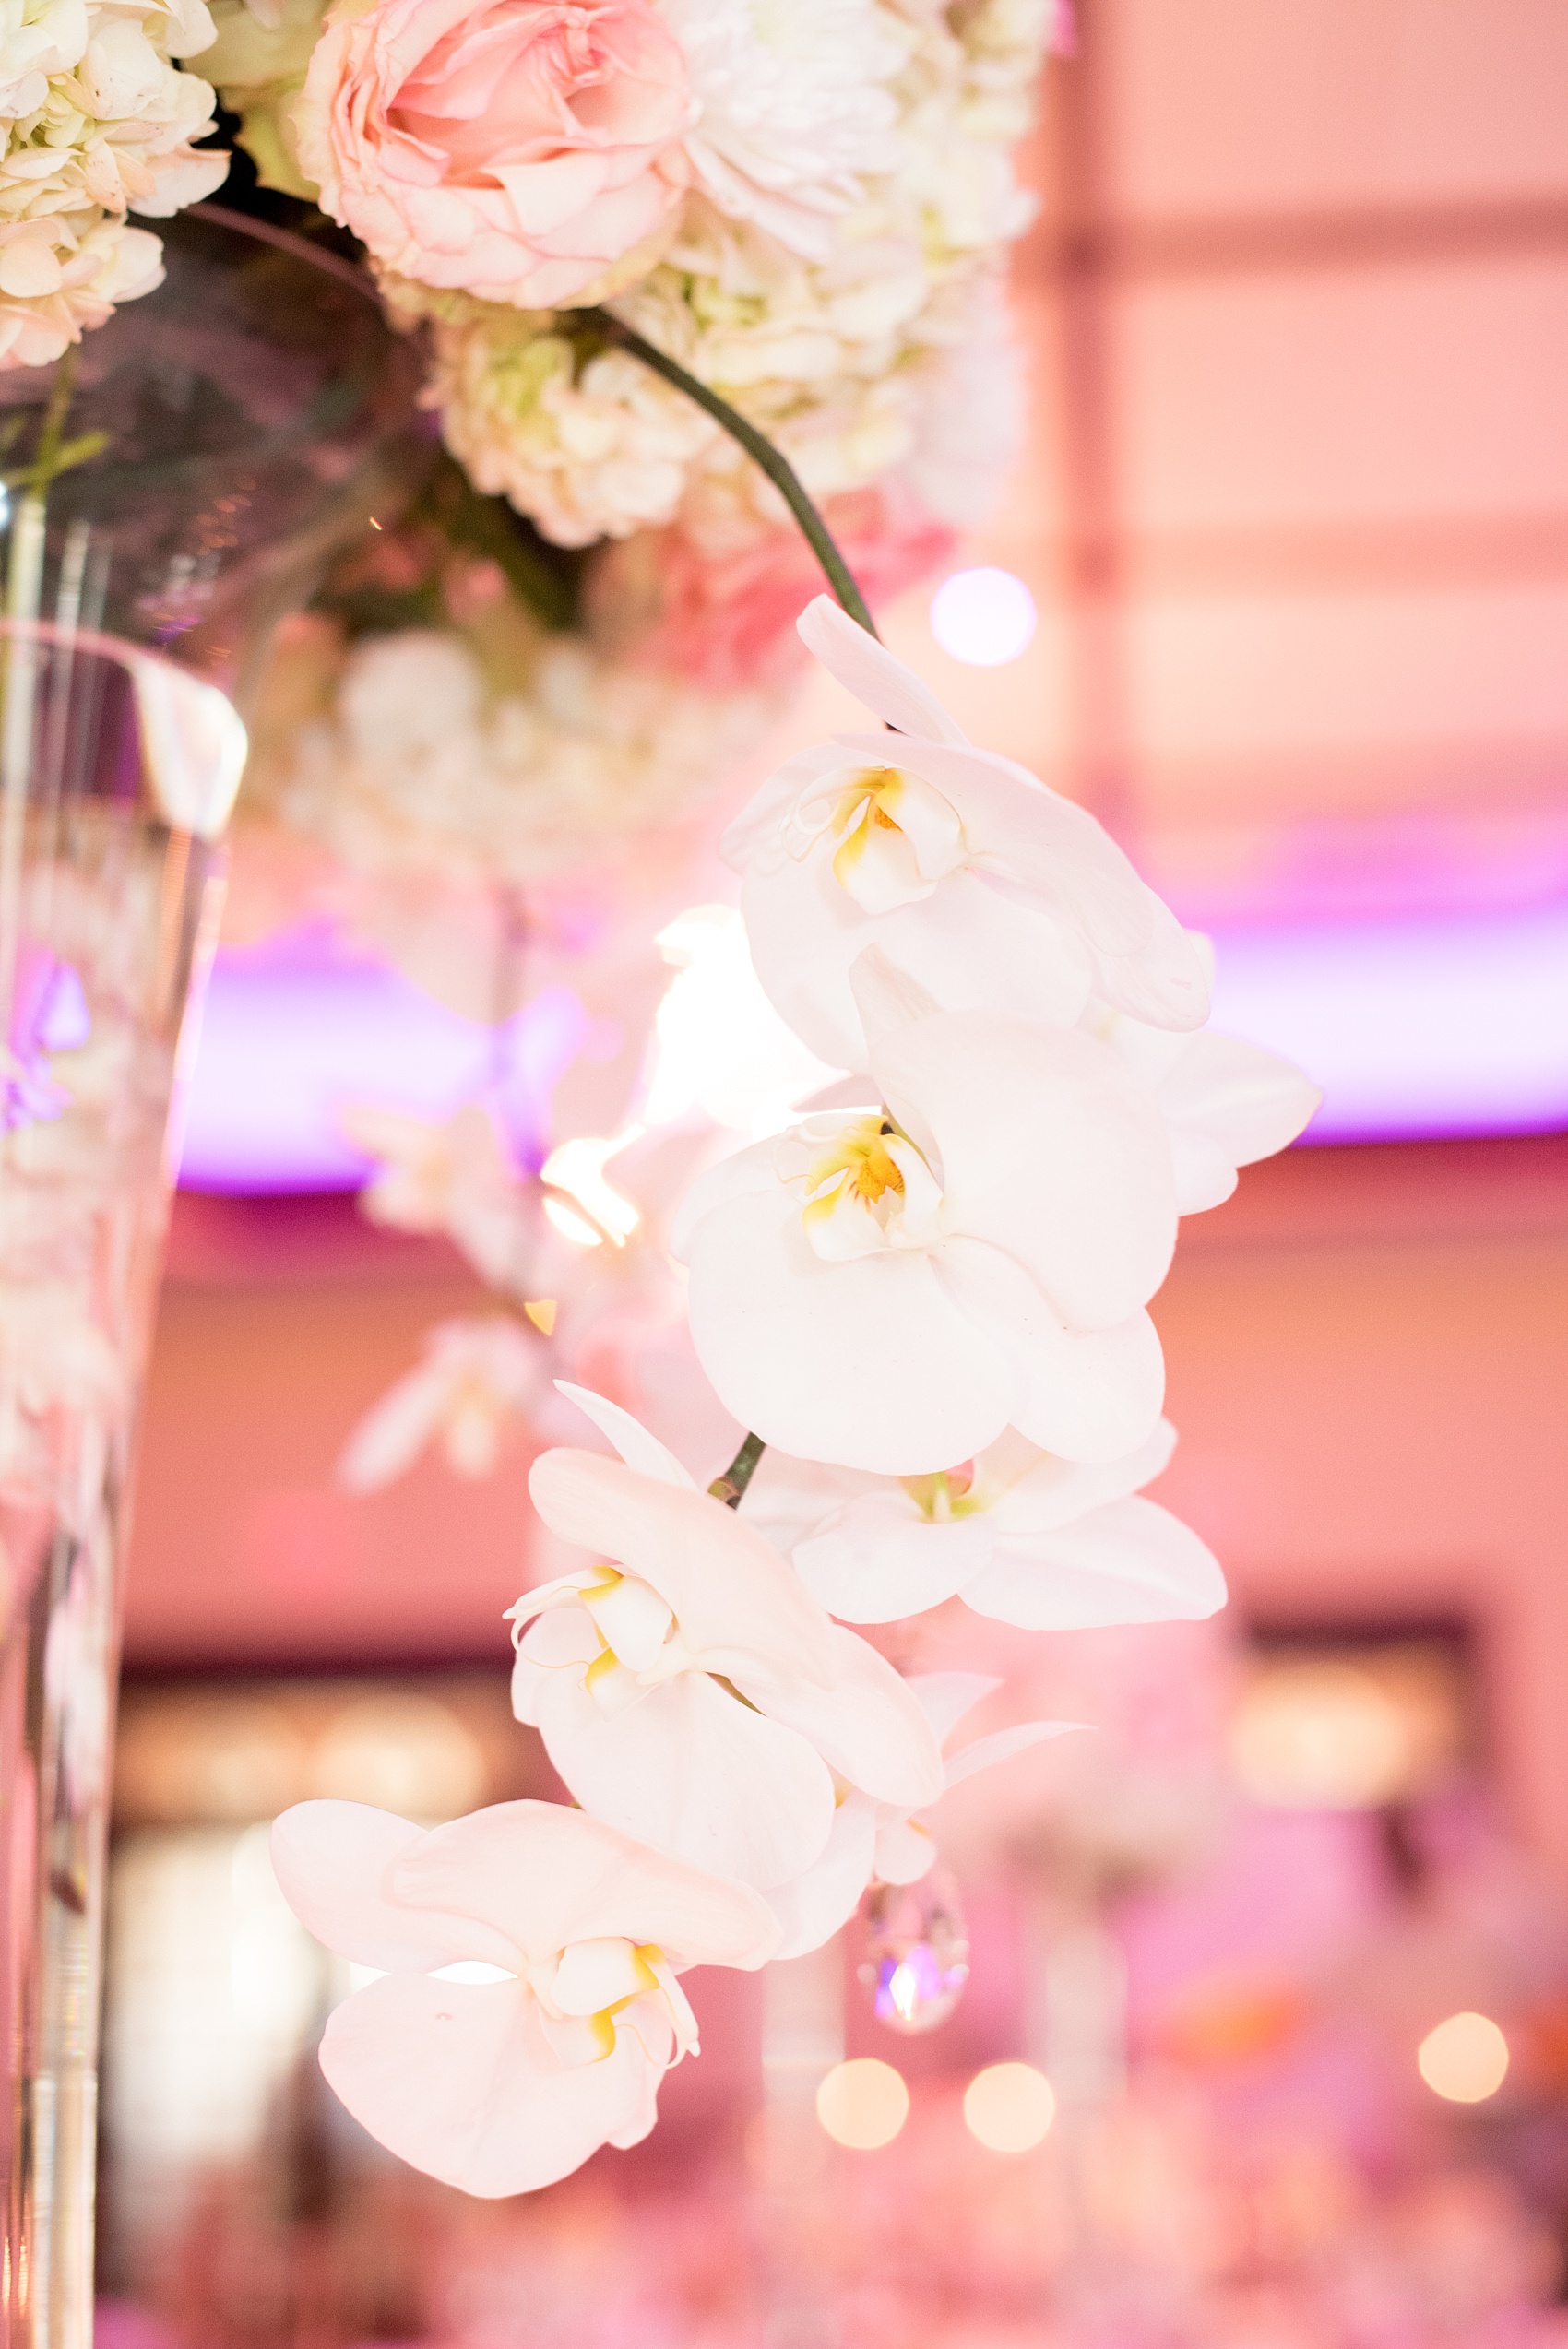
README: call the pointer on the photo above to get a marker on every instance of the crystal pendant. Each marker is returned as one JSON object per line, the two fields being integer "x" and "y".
{"x": 916, "y": 1952}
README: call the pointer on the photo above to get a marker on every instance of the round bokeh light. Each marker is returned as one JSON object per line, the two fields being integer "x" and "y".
{"x": 984, "y": 617}
{"x": 1009, "y": 2106}
{"x": 1464, "y": 2060}
{"x": 863, "y": 2104}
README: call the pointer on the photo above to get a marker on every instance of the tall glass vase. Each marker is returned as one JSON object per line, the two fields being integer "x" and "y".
{"x": 116, "y": 774}
{"x": 179, "y": 479}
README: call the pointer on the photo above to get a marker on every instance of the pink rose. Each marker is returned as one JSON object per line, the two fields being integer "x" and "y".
{"x": 515, "y": 149}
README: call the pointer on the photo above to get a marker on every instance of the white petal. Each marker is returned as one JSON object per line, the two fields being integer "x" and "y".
{"x": 866, "y": 669}
{"x": 632, "y": 1618}
{"x": 1049, "y": 1150}
{"x": 867, "y": 1727}
{"x": 595, "y": 1974}
{"x": 463, "y": 2084}
{"x": 547, "y": 1876}
{"x": 1001, "y": 1745}
{"x": 945, "y": 1696}
{"x": 1088, "y": 1395}
{"x": 1053, "y": 1492}
{"x": 632, "y": 1440}
{"x": 1130, "y": 1562}
{"x": 812, "y": 1907}
{"x": 693, "y": 1771}
{"x": 905, "y": 1851}
{"x": 736, "y": 1602}
{"x": 877, "y": 1559}
{"x": 868, "y": 1364}
{"x": 333, "y": 1862}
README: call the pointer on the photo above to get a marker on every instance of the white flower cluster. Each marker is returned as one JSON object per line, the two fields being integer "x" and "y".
{"x": 933, "y": 1301}
{"x": 419, "y": 770}
{"x": 840, "y": 346}
{"x": 848, "y": 194}
{"x": 98, "y": 122}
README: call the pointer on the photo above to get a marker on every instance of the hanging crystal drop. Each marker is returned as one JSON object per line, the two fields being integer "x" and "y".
{"x": 916, "y": 1950}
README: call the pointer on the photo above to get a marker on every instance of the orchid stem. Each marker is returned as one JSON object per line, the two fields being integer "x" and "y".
{"x": 731, "y": 1484}
{"x": 778, "y": 468}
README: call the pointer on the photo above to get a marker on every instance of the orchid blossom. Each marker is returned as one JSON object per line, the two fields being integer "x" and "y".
{"x": 994, "y": 893}
{"x": 693, "y": 1693}
{"x": 479, "y": 1380}
{"x": 529, "y": 2006}
{"x": 890, "y": 1287}
{"x": 878, "y": 1842}
{"x": 1225, "y": 1103}
{"x": 1050, "y": 1544}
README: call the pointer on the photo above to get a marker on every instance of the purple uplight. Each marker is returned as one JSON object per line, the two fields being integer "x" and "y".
{"x": 1455, "y": 1023}
{"x": 295, "y": 1030}
{"x": 1451, "y": 1024}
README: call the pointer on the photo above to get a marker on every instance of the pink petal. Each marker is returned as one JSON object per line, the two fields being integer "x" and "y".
{"x": 462, "y": 2083}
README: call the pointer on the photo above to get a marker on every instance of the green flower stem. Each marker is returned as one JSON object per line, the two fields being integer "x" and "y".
{"x": 731, "y": 1484}
{"x": 779, "y": 471}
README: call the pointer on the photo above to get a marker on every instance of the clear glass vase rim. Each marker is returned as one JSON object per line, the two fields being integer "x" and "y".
{"x": 315, "y": 257}
{"x": 194, "y": 739}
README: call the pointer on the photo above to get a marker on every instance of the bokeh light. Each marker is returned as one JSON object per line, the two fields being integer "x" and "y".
{"x": 863, "y": 2104}
{"x": 984, "y": 617}
{"x": 1009, "y": 2106}
{"x": 1464, "y": 2059}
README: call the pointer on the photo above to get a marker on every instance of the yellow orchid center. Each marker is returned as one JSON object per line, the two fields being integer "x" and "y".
{"x": 871, "y": 800}
{"x": 944, "y": 1496}
{"x": 858, "y": 1165}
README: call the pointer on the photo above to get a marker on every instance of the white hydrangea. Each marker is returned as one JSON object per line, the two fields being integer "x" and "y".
{"x": 794, "y": 110}
{"x": 420, "y": 769}
{"x": 840, "y": 346}
{"x": 97, "y": 121}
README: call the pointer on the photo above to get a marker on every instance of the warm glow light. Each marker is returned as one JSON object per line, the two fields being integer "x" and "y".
{"x": 719, "y": 1046}
{"x": 577, "y": 1168}
{"x": 984, "y": 617}
{"x": 571, "y": 1226}
{"x": 863, "y": 2104}
{"x": 1009, "y": 2106}
{"x": 1465, "y": 2059}
{"x": 1320, "y": 1735}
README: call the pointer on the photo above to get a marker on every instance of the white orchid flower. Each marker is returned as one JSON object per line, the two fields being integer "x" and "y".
{"x": 692, "y": 1693}
{"x": 480, "y": 1376}
{"x": 1050, "y": 1544}
{"x": 455, "y": 1175}
{"x": 993, "y": 892}
{"x": 889, "y": 1289}
{"x": 529, "y": 2006}
{"x": 878, "y": 1842}
{"x": 1225, "y": 1103}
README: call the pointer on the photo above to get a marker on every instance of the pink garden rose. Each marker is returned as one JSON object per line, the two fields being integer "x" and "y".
{"x": 515, "y": 149}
